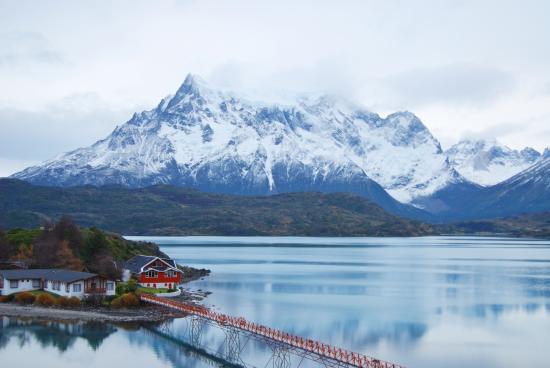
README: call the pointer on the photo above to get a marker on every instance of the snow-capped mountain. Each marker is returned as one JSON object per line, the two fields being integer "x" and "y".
{"x": 487, "y": 162}
{"x": 219, "y": 141}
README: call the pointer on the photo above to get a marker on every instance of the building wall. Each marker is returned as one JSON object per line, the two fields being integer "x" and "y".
{"x": 27, "y": 285}
{"x": 23, "y": 285}
{"x": 159, "y": 282}
{"x": 63, "y": 289}
{"x": 110, "y": 291}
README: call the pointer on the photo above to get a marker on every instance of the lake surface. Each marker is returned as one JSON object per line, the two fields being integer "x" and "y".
{"x": 420, "y": 302}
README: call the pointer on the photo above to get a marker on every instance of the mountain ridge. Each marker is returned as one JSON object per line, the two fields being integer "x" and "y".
{"x": 487, "y": 162}
{"x": 216, "y": 141}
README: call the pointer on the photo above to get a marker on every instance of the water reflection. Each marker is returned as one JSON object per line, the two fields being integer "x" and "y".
{"x": 406, "y": 300}
{"x": 430, "y": 302}
{"x": 58, "y": 335}
{"x": 94, "y": 344}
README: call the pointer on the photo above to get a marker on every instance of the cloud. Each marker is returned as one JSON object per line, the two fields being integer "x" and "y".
{"x": 451, "y": 84}
{"x": 74, "y": 121}
{"x": 19, "y": 49}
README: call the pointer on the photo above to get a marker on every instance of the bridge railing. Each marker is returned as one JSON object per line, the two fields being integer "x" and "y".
{"x": 325, "y": 350}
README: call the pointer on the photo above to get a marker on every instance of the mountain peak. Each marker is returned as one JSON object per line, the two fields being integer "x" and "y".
{"x": 192, "y": 83}
{"x": 487, "y": 161}
{"x": 193, "y": 86}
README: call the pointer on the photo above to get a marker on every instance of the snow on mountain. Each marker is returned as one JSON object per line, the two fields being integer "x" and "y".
{"x": 487, "y": 162}
{"x": 218, "y": 141}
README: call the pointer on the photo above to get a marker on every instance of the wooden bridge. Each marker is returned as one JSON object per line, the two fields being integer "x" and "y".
{"x": 325, "y": 354}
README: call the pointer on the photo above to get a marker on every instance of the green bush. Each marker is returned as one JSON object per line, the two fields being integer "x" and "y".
{"x": 120, "y": 289}
{"x": 45, "y": 300}
{"x": 25, "y": 298}
{"x": 131, "y": 286}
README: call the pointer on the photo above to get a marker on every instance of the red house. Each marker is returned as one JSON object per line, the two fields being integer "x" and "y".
{"x": 153, "y": 272}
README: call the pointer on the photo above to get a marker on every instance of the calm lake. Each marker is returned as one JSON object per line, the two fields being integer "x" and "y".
{"x": 420, "y": 302}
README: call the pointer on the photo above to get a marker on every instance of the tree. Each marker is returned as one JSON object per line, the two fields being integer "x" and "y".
{"x": 105, "y": 265}
{"x": 5, "y": 248}
{"x": 96, "y": 243}
{"x": 45, "y": 249}
{"x": 66, "y": 229}
{"x": 24, "y": 253}
{"x": 66, "y": 258}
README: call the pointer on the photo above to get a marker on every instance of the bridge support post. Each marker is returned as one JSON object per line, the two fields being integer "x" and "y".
{"x": 232, "y": 345}
{"x": 196, "y": 328}
{"x": 280, "y": 357}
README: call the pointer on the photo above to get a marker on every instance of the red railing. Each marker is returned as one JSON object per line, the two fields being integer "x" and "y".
{"x": 341, "y": 355}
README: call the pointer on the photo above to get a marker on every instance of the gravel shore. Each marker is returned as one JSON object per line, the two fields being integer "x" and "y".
{"x": 145, "y": 313}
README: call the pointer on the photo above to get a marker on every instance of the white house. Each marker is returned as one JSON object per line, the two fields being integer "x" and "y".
{"x": 60, "y": 282}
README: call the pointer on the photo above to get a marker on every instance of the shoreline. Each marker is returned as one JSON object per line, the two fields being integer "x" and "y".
{"x": 145, "y": 313}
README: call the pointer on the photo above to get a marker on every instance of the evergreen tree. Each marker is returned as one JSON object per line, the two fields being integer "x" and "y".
{"x": 95, "y": 244}
{"x": 4, "y": 246}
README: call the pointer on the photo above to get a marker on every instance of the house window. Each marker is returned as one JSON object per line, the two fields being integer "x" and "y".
{"x": 56, "y": 285}
{"x": 174, "y": 273}
{"x": 77, "y": 288}
{"x": 67, "y": 288}
{"x": 35, "y": 284}
{"x": 14, "y": 284}
{"x": 110, "y": 286}
{"x": 151, "y": 274}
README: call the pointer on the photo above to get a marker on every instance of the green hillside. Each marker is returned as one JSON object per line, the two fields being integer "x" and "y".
{"x": 168, "y": 210}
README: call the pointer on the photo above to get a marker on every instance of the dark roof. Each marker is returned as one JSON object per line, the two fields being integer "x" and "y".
{"x": 135, "y": 263}
{"x": 48, "y": 274}
{"x": 171, "y": 262}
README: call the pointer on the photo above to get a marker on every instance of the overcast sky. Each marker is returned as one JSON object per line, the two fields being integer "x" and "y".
{"x": 70, "y": 71}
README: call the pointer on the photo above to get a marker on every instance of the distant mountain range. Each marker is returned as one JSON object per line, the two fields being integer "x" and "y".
{"x": 217, "y": 141}
{"x": 487, "y": 162}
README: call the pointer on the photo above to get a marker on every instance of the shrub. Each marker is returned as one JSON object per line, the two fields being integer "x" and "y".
{"x": 127, "y": 300}
{"x": 25, "y": 298}
{"x": 120, "y": 289}
{"x": 63, "y": 301}
{"x": 74, "y": 302}
{"x": 45, "y": 300}
{"x": 6, "y": 298}
{"x": 130, "y": 300}
{"x": 95, "y": 299}
{"x": 131, "y": 286}
{"x": 116, "y": 303}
